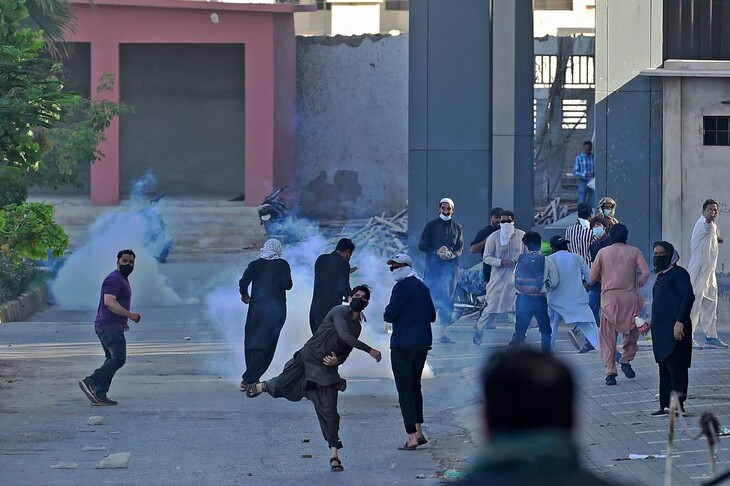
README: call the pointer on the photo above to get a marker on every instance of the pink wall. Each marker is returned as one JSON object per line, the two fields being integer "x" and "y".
{"x": 268, "y": 34}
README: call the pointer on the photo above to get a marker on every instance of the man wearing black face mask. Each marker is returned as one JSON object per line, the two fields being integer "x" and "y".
{"x": 110, "y": 326}
{"x": 312, "y": 371}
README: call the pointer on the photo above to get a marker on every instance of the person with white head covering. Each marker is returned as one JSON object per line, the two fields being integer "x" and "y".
{"x": 501, "y": 251}
{"x": 269, "y": 277}
{"x": 411, "y": 311}
{"x": 442, "y": 241}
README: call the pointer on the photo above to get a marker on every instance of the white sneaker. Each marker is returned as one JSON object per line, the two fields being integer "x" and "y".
{"x": 696, "y": 345}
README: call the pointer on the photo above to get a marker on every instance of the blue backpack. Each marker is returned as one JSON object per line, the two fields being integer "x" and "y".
{"x": 530, "y": 273}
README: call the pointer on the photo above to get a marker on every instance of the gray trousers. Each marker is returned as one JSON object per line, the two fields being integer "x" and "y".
{"x": 324, "y": 399}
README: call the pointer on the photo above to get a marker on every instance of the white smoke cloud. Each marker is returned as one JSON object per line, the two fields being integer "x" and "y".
{"x": 78, "y": 282}
{"x": 225, "y": 310}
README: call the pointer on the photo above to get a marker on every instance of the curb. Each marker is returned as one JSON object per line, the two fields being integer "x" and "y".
{"x": 25, "y": 305}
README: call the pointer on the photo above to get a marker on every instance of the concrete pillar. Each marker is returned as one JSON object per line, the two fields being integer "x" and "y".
{"x": 512, "y": 110}
{"x": 449, "y": 115}
{"x": 105, "y": 173}
{"x": 628, "y": 114}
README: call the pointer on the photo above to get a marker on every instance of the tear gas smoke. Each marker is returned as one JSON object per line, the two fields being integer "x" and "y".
{"x": 225, "y": 309}
{"x": 79, "y": 280}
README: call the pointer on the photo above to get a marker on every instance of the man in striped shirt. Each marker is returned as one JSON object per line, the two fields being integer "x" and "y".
{"x": 584, "y": 169}
{"x": 580, "y": 237}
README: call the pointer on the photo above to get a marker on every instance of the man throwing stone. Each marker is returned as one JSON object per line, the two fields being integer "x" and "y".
{"x": 110, "y": 325}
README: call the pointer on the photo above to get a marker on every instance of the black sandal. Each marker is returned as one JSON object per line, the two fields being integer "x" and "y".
{"x": 256, "y": 389}
{"x": 244, "y": 386}
{"x": 336, "y": 464}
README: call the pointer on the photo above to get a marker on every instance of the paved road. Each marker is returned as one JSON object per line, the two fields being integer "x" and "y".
{"x": 184, "y": 421}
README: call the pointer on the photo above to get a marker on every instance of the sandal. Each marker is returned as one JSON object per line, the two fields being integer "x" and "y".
{"x": 256, "y": 389}
{"x": 406, "y": 447}
{"x": 244, "y": 386}
{"x": 422, "y": 441}
{"x": 336, "y": 464}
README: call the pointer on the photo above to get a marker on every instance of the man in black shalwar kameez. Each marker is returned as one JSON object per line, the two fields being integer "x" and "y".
{"x": 270, "y": 278}
{"x": 312, "y": 372}
{"x": 331, "y": 281}
{"x": 671, "y": 327}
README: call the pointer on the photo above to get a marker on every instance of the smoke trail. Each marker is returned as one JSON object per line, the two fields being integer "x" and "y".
{"x": 78, "y": 282}
{"x": 228, "y": 313}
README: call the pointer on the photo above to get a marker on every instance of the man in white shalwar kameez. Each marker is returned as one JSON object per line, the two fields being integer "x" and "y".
{"x": 701, "y": 268}
{"x": 501, "y": 251}
{"x": 569, "y": 300}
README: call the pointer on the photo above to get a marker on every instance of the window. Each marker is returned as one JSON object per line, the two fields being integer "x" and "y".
{"x": 396, "y": 5}
{"x": 716, "y": 130}
{"x": 323, "y": 4}
{"x": 552, "y": 4}
{"x": 575, "y": 114}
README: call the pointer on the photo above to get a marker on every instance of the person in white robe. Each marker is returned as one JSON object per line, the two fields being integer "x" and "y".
{"x": 501, "y": 251}
{"x": 702, "y": 265}
{"x": 569, "y": 301}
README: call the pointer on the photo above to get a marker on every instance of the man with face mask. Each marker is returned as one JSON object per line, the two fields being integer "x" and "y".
{"x": 312, "y": 373}
{"x": 501, "y": 251}
{"x": 607, "y": 209}
{"x": 411, "y": 311}
{"x": 110, "y": 326}
{"x": 442, "y": 241}
{"x": 671, "y": 329}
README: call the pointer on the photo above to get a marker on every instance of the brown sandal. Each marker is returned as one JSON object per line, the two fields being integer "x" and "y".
{"x": 336, "y": 464}
{"x": 256, "y": 389}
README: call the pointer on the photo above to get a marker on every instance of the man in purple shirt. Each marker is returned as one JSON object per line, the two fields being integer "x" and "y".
{"x": 110, "y": 325}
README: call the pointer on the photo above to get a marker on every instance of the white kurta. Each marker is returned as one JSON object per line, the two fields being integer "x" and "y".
{"x": 703, "y": 260}
{"x": 570, "y": 298}
{"x": 501, "y": 293}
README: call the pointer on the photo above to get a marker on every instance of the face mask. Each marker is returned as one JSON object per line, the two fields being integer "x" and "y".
{"x": 607, "y": 212}
{"x": 444, "y": 218}
{"x": 598, "y": 232}
{"x": 661, "y": 263}
{"x": 401, "y": 273}
{"x": 126, "y": 270}
{"x": 357, "y": 304}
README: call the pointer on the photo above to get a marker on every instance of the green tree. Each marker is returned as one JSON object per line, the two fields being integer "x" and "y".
{"x": 31, "y": 96}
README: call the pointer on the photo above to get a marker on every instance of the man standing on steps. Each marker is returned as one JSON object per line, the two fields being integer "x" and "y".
{"x": 110, "y": 326}
{"x": 701, "y": 268}
{"x": 331, "y": 281}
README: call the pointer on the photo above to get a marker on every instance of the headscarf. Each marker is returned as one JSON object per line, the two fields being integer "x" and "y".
{"x": 271, "y": 249}
{"x": 671, "y": 253}
{"x": 618, "y": 233}
{"x": 607, "y": 200}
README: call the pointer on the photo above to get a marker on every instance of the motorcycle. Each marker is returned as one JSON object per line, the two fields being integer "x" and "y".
{"x": 271, "y": 211}
{"x": 471, "y": 293}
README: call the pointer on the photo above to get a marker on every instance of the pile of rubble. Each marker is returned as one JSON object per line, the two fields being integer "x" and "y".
{"x": 384, "y": 236}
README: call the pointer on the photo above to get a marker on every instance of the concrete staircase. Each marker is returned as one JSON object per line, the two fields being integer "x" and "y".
{"x": 197, "y": 224}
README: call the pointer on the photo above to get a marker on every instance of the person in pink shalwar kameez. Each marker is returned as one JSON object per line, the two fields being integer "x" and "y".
{"x": 616, "y": 268}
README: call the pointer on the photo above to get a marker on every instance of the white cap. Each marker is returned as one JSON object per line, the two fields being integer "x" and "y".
{"x": 447, "y": 200}
{"x": 401, "y": 258}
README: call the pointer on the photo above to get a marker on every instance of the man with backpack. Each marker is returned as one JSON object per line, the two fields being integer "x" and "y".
{"x": 570, "y": 301}
{"x": 534, "y": 276}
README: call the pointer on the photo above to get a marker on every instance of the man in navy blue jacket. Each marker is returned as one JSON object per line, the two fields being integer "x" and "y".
{"x": 411, "y": 311}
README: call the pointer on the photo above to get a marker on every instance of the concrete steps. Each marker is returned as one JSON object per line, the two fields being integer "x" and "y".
{"x": 197, "y": 225}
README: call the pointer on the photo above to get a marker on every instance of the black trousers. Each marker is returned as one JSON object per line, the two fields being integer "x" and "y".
{"x": 257, "y": 362}
{"x": 673, "y": 376}
{"x": 407, "y": 363}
